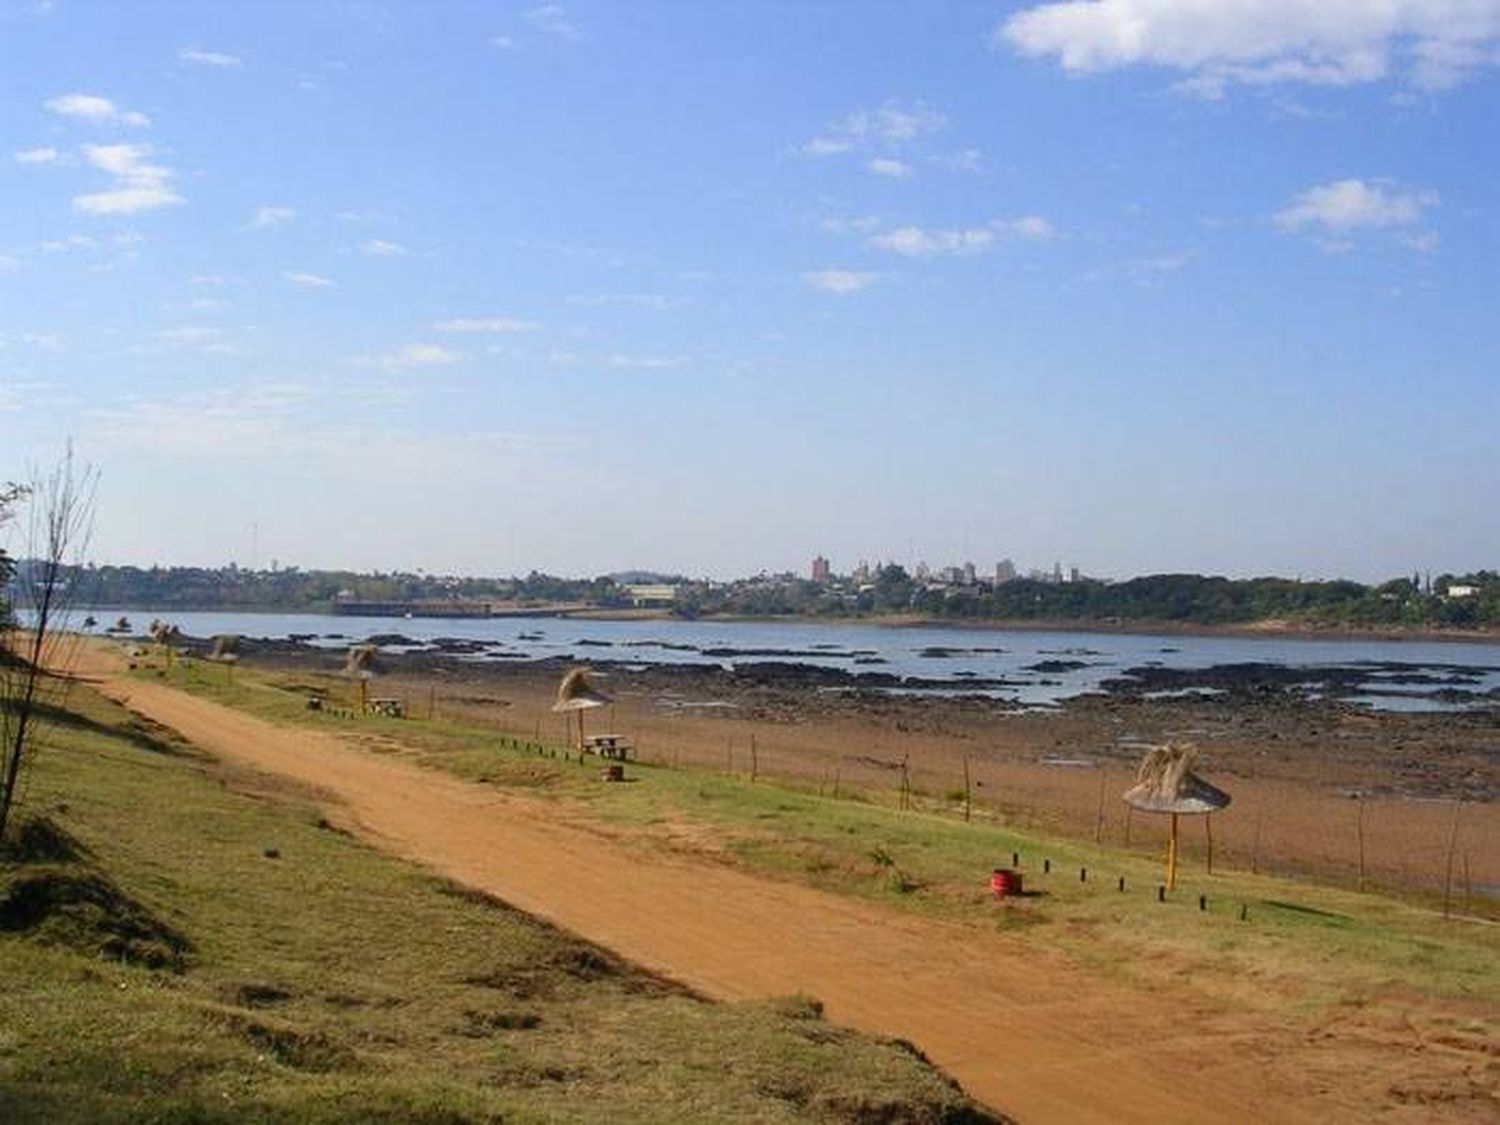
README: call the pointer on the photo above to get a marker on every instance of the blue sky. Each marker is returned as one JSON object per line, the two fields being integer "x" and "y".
{"x": 1137, "y": 285}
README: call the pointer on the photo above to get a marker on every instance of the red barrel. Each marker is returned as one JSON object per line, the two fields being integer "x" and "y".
{"x": 1005, "y": 882}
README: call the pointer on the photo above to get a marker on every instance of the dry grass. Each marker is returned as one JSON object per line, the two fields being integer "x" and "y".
{"x": 181, "y": 947}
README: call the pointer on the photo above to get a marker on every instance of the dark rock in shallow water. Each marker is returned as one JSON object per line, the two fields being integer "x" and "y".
{"x": 461, "y": 645}
{"x": 1054, "y": 666}
{"x": 387, "y": 639}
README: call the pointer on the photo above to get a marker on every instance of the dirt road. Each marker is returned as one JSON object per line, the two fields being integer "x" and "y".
{"x": 1032, "y": 1036}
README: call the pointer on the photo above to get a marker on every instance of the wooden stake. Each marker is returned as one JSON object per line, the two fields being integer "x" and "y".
{"x": 1128, "y": 810}
{"x": 1208, "y": 827}
{"x": 431, "y": 702}
{"x": 836, "y": 773}
{"x": 1172, "y": 857}
{"x": 1452, "y": 843}
{"x": 754, "y": 760}
{"x": 1255, "y": 847}
{"x": 968, "y": 791}
{"x": 1099, "y": 816}
{"x": 1359, "y": 828}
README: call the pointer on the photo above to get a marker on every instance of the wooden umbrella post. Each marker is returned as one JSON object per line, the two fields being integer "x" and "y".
{"x": 1172, "y": 856}
{"x": 1208, "y": 827}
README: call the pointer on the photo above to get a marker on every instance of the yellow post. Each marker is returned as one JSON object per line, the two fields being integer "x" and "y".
{"x": 1172, "y": 857}
{"x": 364, "y": 700}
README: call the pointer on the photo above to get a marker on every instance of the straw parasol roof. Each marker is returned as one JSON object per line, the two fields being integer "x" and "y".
{"x": 226, "y": 648}
{"x": 164, "y": 632}
{"x": 1166, "y": 783}
{"x": 575, "y": 693}
{"x": 360, "y": 663}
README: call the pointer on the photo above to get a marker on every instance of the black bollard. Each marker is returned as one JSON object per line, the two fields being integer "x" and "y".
{"x": 1161, "y": 893}
{"x": 1015, "y": 859}
{"x": 1083, "y": 874}
{"x": 1202, "y": 902}
{"x": 1122, "y": 882}
{"x": 1046, "y": 867}
{"x": 1244, "y": 912}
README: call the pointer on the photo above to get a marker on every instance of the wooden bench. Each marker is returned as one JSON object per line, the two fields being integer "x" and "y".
{"x": 615, "y": 747}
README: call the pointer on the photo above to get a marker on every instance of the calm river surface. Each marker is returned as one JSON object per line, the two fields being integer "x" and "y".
{"x": 1040, "y": 668}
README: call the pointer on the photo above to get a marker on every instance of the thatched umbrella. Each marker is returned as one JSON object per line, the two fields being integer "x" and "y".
{"x": 575, "y": 693}
{"x": 226, "y": 648}
{"x": 166, "y": 634}
{"x": 226, "y": 651}
{"x": 1166, "y": 783}
{"x": 359, "y": 665}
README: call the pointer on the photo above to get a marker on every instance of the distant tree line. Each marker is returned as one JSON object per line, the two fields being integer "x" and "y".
{"x": 291, "y": 589}
{"x": 1457, "y": 601}
{"x": 1452, "y": 601}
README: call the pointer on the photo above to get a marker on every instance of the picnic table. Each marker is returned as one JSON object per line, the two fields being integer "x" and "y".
{"x": 616, "y": 747}
{"x": 391, "y": 708}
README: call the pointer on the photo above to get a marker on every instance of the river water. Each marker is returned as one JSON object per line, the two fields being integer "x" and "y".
{"x": 1038, "y": 668}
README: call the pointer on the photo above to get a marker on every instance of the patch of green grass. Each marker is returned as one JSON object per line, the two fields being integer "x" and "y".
{"x": 1260, "y": 939}
{"x": 178, "y": 947}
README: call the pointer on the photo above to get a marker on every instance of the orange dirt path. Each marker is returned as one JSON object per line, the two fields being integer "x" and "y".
{"x": 1030, "y": 1035}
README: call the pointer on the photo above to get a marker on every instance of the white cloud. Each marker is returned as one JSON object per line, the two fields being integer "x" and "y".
{"x": 504, "y": 42}
{"x": 1144, "y": 272}
{"x": 1432, "y": 43}
{"x": 271, "y": 217}
{"x": 919, "y": 242}
{"x": 647, "y": 362}
{"x": 92, "y": 107}
{"x": 36, "y": 156}
{"x": 9, "y": 263}
{"x": 1027, "y": 226}
{"x": 1424, "y": 242}
{"x": 552, "y": 19}
{"x": 965, "y": 160}
{"x": 197, "y": 338}
{"x": 892, "y": 124}
{"x": 485, "y": 324}
{"x": 380, "y": 248}
{"x": 364, "y": 215}
{"x": 863, "y": 224}
{"x": 1350, "y": 205}
{"x": 657, "y": 302}
{"x": 915, "y": 242}
{"x": 827, "y": 146}
{"x": 414, "y": 356}
{"x": 209, "y": 58}
{"x": 840, "y": 282}
{"x": 887, "y": 166}
{"x": 309, "y": 280}
{"x": 72, "y": 242}
{"x": 138, "y": 186}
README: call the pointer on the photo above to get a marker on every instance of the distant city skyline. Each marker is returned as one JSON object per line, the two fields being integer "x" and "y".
{"x": 588, "y": 287}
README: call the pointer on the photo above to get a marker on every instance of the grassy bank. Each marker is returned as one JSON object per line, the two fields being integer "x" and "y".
{"x": 186, "y": 943}
{"x": 1233, "y": 936}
